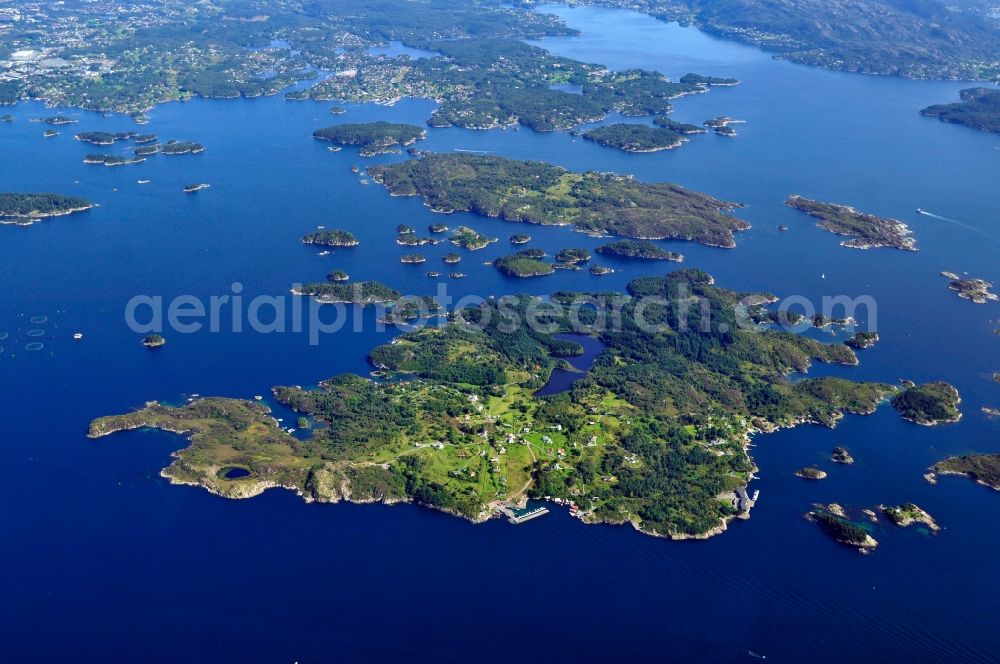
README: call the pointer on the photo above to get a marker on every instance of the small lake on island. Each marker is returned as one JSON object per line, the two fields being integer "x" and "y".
{"x": 562, "y": 379}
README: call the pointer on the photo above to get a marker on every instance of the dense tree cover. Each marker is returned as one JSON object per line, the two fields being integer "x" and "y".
{"x": 522, "y": 265}
{"x": 372, "y": 137}
{"x": 112, "y": 159}
{"x": 866, "y": 230}
{"x": 638, "y": 249}
{"x": 915, "y": 38}
{"x": 979, "y": 109}
{"x": 637, "y": 92}
{"x": 362, "y": 292}
{"x": 931, "y": 403}
{"x": 573, "y": 255}
{"x": 103, "y": 137}
{"x": 678, "y": 127}
{"x": 654, "y": 434}
{"x": 10, "y": 92}
{"x": 840, "y": 528}
{"x": 984, "y": 468}
{"x": 181, "y": 147}
{"x": 698, "y": 79}
{"x": 39, "y": 205}
{"x": 634, "y": 137}
{"x": 332, "y": 237}
{"x": 468, "y": 238}
{"x": 537, "y": 192}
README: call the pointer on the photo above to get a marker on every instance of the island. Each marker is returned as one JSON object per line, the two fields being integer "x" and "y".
{"x": 438, "y": 228}
{"x": 331, "y": 238}
{"x": 722, "y": 125}
{"x": 979, "y": 109}
{"x": 908, "y": 514}
{"x": 678, "y": 127}
{"x": 197, "y": 186}
{"x": 361, "y": 293}
{"x": 540, "y": 193}
{"x": 841, "y": 455}
{"x": 863, "y": 340}
{"x": 655, "y": 436}
{"x": 638, "y": 249}
{"x": 372, "y": 138}
{"x": 573, "y": 255}
{"x": 180, "y": 147}
{"x": 337, "y": 275}
{"x": 451, "y": 258}
{"x": 634, "y": 137}
{"x": 974, "y": 290}
{"x": 103, "y": 137}
{"x": 866, "y": 230}
{"x": 414, "y": 259}
{"x": 709, "y": 81}
{"x": 522, "y": 265}
{"x": 600, "y": 270}
{"x": 50, "y": 133}
{"x": 468, "y": 238}
{"x": 153, "y": 341}
{"x": 112, "y": 159}
{"x": 23, "y": 209}
{"x": 981, "y": 468}
{"x": 811, "y": 473}
{"x": 55, "y": 120}
{"x": 6, "y": 117}
{"x": 929, "y": 404}
{"x": 520, "y": 238}
{"x": 832, "y": 521}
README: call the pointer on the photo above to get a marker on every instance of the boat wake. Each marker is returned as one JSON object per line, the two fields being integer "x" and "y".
{"x": 960, "y": 224}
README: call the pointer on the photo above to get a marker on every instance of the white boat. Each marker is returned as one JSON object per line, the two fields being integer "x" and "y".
{"x": 78, "y": 336}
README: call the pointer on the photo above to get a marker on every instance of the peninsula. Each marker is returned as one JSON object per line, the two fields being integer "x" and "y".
{"x": 540, "y": 193}
{"x": 866, "y": 230}
{"x": 979, "y": 109}
{"x": 981, "y": 468}
{"x": 929, "y": 404}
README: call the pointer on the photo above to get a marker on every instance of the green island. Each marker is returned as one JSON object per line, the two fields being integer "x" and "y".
{"x": 451, "y": 258}
{"x": 331, "y": 238}
{"x": 811, "y": 473}
{"x": 981, "y": 468}
{"x": 634, "y": 137}
{"x": 337, "y": 276}
{"x": 573, "y": 255}
{"x": 413, "y": 258}
{"x": 437, "y": 228}
{"x": 337, "y": 292}
{"x": 50, "y": 133}
{"x": 929, "y": 404}
{"x": 908, "y": 514}
{"x": 112, "y": 159}
{"x": 372, "y": 138}
{"x": 977, "y": 291}
{"x": 638, "y": 249}
{"x": 536, "y": 192}
{"x": 710, "y": 81}
{"x": 470, "y": 239}
{"x": 180, "y": 147}
{"x": 103, "y": 137}
{"x": 865, "y": 230}
{"x": 678, "y": 127}
{"x": 24, "y": 209}
{"x": 523, "y": 264}
{"x": 655, "y": 435}
{"x": 55, "y": 120}
{"x": 979, "y": 109}
{"x": 520, "y": 238}
{"x": 833, "y": 522}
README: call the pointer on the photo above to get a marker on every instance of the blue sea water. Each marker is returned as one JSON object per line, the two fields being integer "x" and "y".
{"x": 104, "y": 560}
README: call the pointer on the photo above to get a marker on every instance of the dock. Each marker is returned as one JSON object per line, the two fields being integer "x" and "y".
{"x": 518, "y": 516}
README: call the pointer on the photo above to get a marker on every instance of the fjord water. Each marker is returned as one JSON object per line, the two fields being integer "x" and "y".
{"x": 104, "y": 560}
